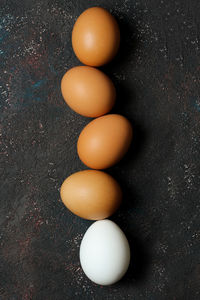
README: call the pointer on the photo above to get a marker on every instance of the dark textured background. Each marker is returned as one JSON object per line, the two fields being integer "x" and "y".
{"x": 157, "y": 77}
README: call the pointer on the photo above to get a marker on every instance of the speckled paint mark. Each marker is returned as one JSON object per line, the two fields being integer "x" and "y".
{"x": 189, "y": 176}
{"x": 172, "y": 188}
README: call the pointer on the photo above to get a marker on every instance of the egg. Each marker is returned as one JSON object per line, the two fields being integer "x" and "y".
{"x": 104, "y": 141}
{"x": 95, "y": 37}
{"x": 91, "y": 194}
{"x": 88, "y": 91}
{"x": 104, "y": 253}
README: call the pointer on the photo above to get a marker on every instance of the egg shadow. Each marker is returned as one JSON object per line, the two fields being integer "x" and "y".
{"x": 140, "y": 260}
{"x": 139, "y": 263}
{"x": 137, "y": 147}
{"x": 141, "y": 256}
{"x": 128, "y": 44}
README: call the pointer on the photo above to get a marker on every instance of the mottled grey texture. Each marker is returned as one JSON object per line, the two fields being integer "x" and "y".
{"x": 157, "y": 77}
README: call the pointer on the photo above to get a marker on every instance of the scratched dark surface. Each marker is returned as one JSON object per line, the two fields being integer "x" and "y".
{"x": 157, "y": 77}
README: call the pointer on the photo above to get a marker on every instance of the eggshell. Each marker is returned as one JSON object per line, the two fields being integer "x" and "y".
{"x": 104, "y": 253}
{"x": 95, "y": 37}
{"x": 88, "y": 91}
{"x": 91, "y": 194}
{"x": 104, "y": 141}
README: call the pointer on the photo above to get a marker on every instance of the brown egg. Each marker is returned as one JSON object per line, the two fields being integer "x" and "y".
{"x": 95, "y": 37}
{"x": 88, "y": 91}
{"x": 91, "y": 194}
{"x": 104, "y": 141}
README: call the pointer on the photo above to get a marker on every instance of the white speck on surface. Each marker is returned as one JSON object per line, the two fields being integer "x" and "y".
{"x": 188, "y": 176}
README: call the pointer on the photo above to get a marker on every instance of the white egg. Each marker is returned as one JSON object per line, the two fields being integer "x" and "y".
{"x": 104, "y": 252}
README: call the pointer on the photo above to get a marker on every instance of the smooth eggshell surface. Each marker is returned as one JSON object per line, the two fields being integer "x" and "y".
{"x": 95, "y": 37}
{"x": 104, "y": 141}
{"x": 88, "y": 91}
{"x": 91, "y": 194}
{"x": 104, "y": 253}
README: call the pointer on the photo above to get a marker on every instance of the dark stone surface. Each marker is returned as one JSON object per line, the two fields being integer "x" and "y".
{"x": 157, "y": 77}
